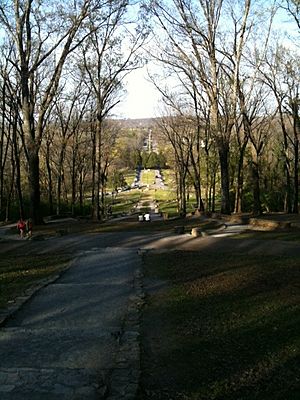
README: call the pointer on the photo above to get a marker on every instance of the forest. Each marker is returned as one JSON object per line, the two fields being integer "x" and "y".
{"x": 228, "y": 76}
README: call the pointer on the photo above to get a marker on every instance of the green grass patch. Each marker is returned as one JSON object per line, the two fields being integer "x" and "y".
{"x": 169, "y": 177}
{"x": 129, "y": 176}
{"x": 18, "y": 273}
{"x": 163, "y": 195}
{"x": 169, "y": 208}
{"x": 124, "y": 202}
{"x": 166, "y": 199}
{"x": 222, "y": 327}
{"x": 147, "y": 176}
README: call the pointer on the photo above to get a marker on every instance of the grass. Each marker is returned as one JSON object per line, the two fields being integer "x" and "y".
{"x": 222, "y": 327}
{"x": 166, "y": 199}
{"x": 129, "y": 176}
{"x": 125, "y": 201}
{"x": 18, "y": 273}
{"x": 132, "y": 225}
{"x": 169, "y": 177}
{"x": 291, "y": 235}
{"x": 147, "y": 176}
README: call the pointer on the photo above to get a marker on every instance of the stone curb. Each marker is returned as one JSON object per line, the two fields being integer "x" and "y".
{"x": 125, "y": 377}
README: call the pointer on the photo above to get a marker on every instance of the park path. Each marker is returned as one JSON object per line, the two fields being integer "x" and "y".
{"x": 77, "y": 338}
{"x": 65, "y": 342}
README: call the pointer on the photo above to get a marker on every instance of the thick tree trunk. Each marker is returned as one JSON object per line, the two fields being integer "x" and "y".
{"x": 34, "y": 185}
{"x": 18, "y": 173}
{"x": 10, "y": 190}
{"x": 33, "y": 147}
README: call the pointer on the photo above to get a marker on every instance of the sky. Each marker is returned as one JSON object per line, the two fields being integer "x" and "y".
{"x": 142, "y": 98}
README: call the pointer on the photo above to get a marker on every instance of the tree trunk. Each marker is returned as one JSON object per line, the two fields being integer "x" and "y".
{"x": 34, "y": 185}
{"x": 178, "y": 189}
{"x": 2, "y": 145}
{"x": 50, "y": 184}
{"x": 240, "y": 181}
{"x": 59, "y": 179}
{"x": 239, "y": 193}
{"x": 296, "y": 177}
{"x": 296, "y": 128}
{"x": 288, "y": 198}
{"x": 10, "y": 190}
{"x": 197, "y": 183}
{"x": 287, "y": 166}
{"x": 256, "y": 188}
{"x": 97, "y": 178}
{"x": 213, "y": 196}
{"x": 73, "y": 179}
{"x": 18, "y": 172}
{"x": 183, "y": 193}
{"x": 81, "y": 181}
{"x": 58, "y": 193}
{"x": 93, "y": 139}
{"x": 225, "y": 197}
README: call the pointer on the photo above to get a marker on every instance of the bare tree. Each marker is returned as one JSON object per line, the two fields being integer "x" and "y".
{"x": 5, "y": 130}
{"x": 293, "y": 9}
{"x": 282, "y": 77}
{"x": 47, "y": 156}
{"x": 10, "y": 133}
{"x": 69, "y": 109}
{"x": 44, "y": 34}
{"x": 194, "y": 39}
{"x": 106, "y": 62}
{"x": 179, "y": 132}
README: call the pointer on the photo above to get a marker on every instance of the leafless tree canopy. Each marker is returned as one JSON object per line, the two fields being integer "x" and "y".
{"x": 228, "y": 80}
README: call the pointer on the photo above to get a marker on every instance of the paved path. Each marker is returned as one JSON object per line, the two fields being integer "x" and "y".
{"x": 65, "y": 342}
{"x": 77, "y": 339}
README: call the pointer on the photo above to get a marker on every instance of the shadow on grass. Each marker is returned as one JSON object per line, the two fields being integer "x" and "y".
{"x": 227, "y": 328}
{"x": 18, "y": 273}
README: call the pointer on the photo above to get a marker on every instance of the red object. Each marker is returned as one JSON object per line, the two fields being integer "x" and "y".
{"x": 21, "y": 225}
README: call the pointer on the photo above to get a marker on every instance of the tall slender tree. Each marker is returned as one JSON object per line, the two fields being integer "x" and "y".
{"x": 44, "y": 34}
{"x": 109, "y": 55}
{"x": 194, "y": 38}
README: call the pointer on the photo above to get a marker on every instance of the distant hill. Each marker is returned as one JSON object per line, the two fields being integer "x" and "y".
{"x": 141, "y": 123}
